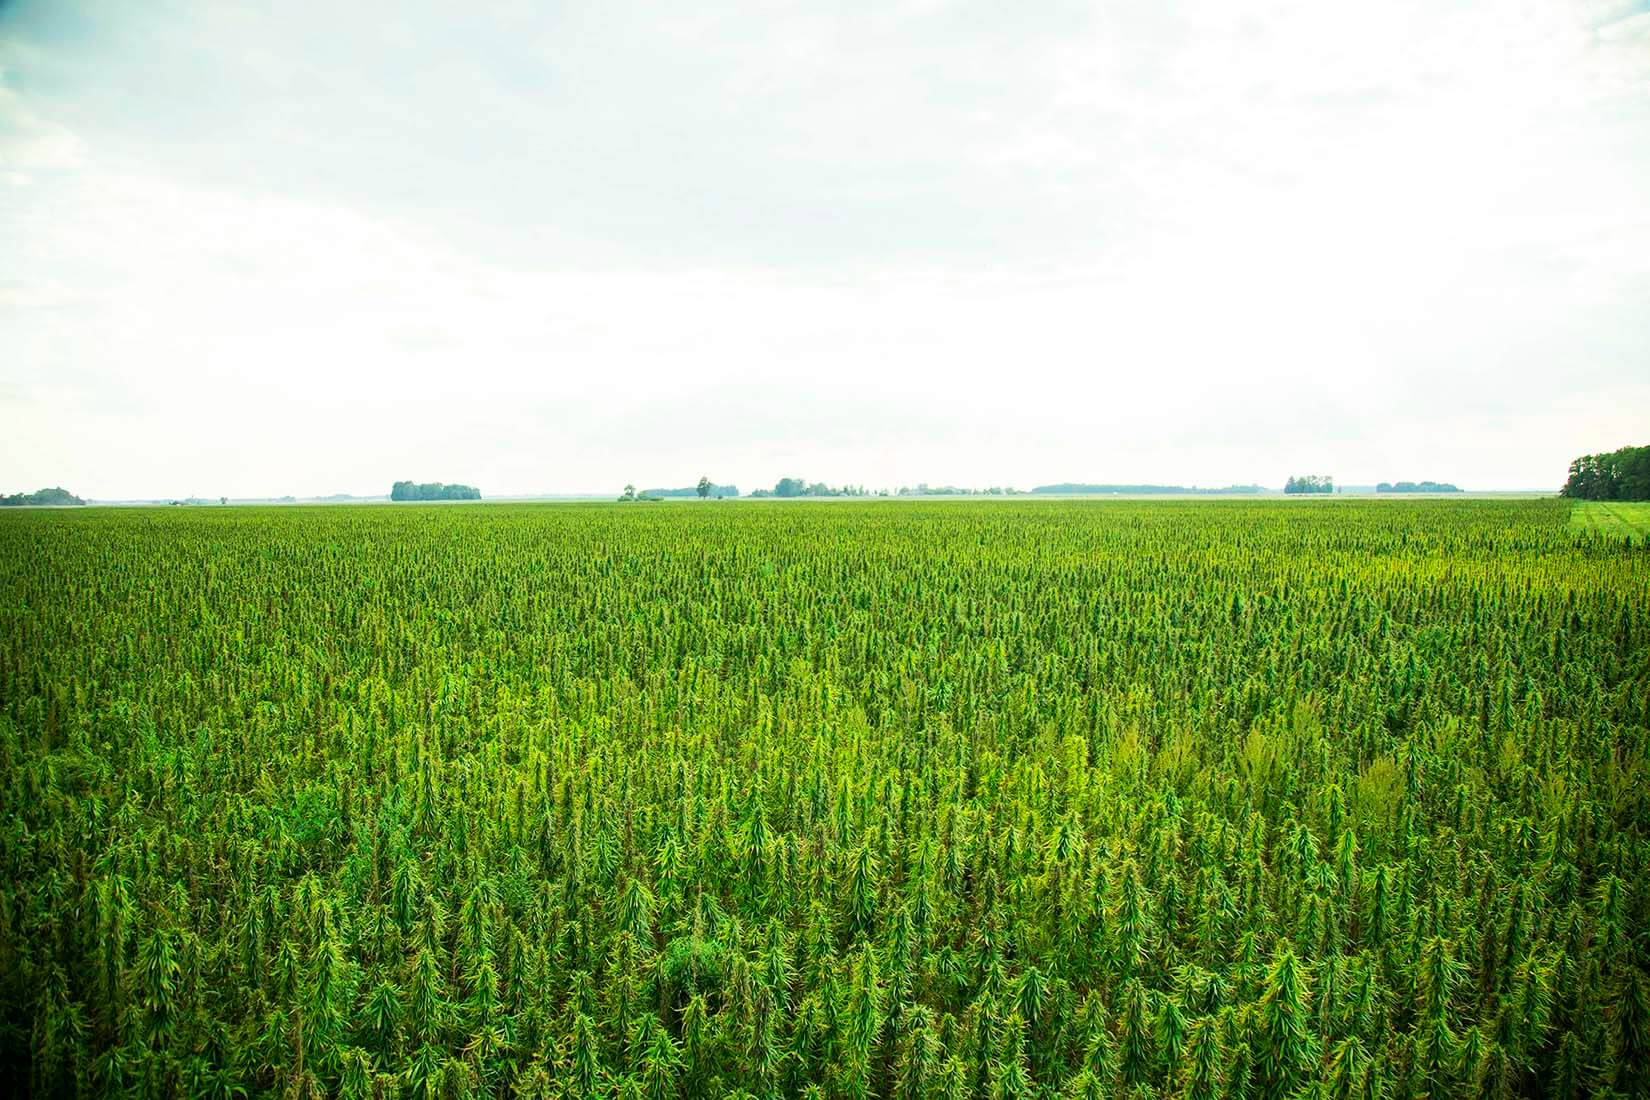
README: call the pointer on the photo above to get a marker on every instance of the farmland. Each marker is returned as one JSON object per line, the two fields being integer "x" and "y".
{"x": 1613, "y": 517}
{"x": 1026, "y": 798}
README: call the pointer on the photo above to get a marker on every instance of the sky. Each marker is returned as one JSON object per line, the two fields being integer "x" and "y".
{"x": 305, "y": 248}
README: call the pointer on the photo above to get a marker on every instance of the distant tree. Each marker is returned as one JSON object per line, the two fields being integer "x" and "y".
{"x": 710, "y": 489}
{"x": 1075, "y": 488}
{"x": 1310, "y": 483}
{"x": 42, "y": 496}
{"x": 799, "y": 487}
{"x": 703, "y": 488}
{"x": 1417, "y": 487}
{"x": 433, "y": 490}
{"x": 1619, "y": 475}
{"x": 629, "y": 494}
{"x": 223, "y": 500}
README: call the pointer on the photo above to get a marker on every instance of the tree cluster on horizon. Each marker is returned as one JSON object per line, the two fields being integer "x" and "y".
{"x": 1074, "y": 488}
{"x": 433, "y": 490}
{"x": 1618, "y": 475}
{"x": 54, "y": 497}
{"x": 1417, "y": 487}
{"x": 923, "y": 489}
{"x": 706, "y": 489}
{"x": 787, "y": 487}
{"x": 1310, "y": 483}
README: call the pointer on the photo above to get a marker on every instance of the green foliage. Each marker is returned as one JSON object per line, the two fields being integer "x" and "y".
{"x": 706, "y": 488}
{"x": 433, "y": 490}
{"x": 40, "y": 497}
{"x": 1310, "y": 483}
{"x": 1417, "y": 487}
{"x": 801, "y": 487}
{"x": 1014, "y": 799}
{"x": 1082, "y": 488}
{"x": 1618, "y": 475}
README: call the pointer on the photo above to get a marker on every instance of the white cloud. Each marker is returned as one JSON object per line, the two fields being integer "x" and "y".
{"x": 1185, "y": 243}
{"x": 29, "y": 143}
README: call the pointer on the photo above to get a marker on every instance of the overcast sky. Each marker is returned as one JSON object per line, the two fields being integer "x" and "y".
{"x": 255, "y": 249}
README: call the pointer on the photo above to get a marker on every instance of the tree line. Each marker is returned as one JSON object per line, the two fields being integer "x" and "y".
{"x": 923, "y": 489}
{"x": 433, "y": 490}
{"x": 801, "y": 487}
{"x": 1618, "y": 475}
{"x": 705, "y": 489}
{"x": 57, "y": 496}
{"x": 1073, "y": 488}
{"x": 1417, "y": 487}
{"x": 1310, "y": 483}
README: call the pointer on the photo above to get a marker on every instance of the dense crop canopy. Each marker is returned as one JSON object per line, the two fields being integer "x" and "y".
{"x": 1203, "y": 799}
